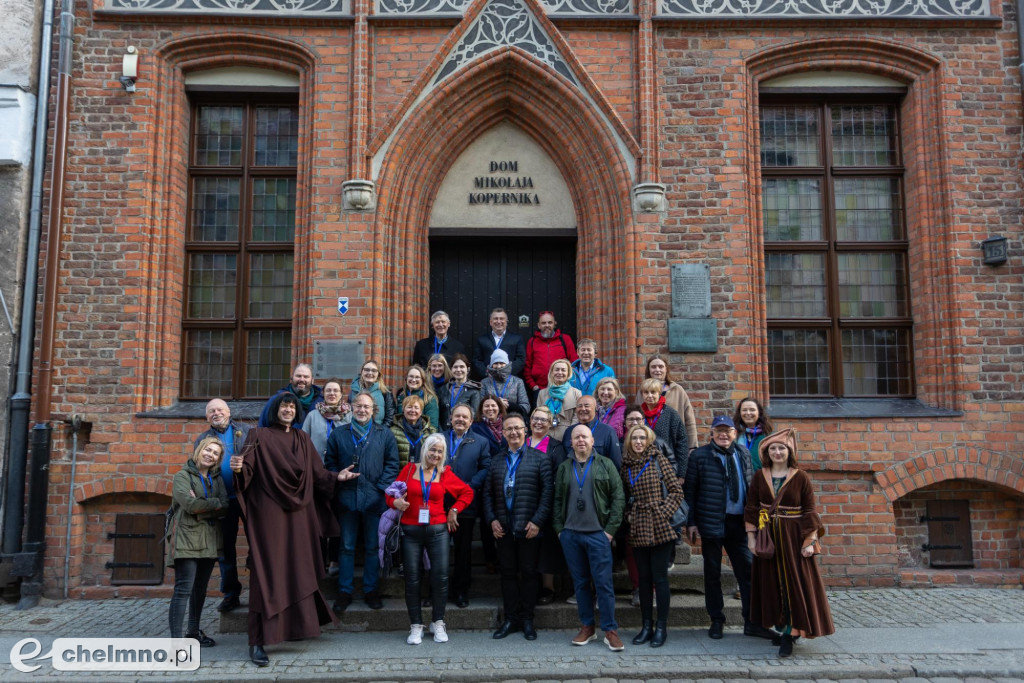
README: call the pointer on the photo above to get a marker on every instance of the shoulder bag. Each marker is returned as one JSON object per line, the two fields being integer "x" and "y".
{"x": 680, "y": 514}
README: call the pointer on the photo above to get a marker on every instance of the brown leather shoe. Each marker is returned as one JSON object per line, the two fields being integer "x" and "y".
{"x": 586, "y": 634}
{"x": 612, "y": 640}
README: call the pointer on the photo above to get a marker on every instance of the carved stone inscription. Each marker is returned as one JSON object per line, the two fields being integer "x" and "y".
{"x": 691, "y": 290}
{"x": 503, "y": 185}
{"x": 503, "y": 180}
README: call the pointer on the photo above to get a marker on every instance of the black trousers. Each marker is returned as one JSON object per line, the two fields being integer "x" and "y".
{"x": 735, "y": 544}
{"x": 462, "y": 557}
{"x": 230, "y": 586}
{"x": 517, "y": 561}
{"x": 434, "y": 539}
{"x": 652, "y": 567}
{"x": 191, "y": 578}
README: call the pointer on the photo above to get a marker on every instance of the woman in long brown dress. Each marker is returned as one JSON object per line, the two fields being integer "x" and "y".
{"x": 788, "y": 592}
{"x": 284, "y": 491}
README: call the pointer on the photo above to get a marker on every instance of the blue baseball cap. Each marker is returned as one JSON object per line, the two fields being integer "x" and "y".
{"x": 722, "y": 420}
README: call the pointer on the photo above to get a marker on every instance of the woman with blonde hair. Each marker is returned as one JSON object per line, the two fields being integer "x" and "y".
{"x": 560, "y": 397}
{"x": 417, "y": 383}
{"x": 653, "y": 493}
{"x": 371, "y": 382}
{"x": 665, "y": 422}
{"x": 675, "y": 397}
{"x": 200, "y": 498}
{"x": 786, "y": 587}
{"x": 425, "y": 526}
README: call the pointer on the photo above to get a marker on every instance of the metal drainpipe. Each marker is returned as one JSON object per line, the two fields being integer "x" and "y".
{"x": 76, "y": 425}
{"x": 17, "y": 453}
{"x": 1020, "y": 40}
{"x": 42, "y": 432}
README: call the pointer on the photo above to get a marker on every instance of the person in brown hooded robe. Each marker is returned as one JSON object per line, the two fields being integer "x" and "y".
{"x": 284, "y": 491}
{"x": 787, "y": 590}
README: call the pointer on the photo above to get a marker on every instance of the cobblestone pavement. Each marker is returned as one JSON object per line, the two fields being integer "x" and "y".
{"x": 933, "y": 636}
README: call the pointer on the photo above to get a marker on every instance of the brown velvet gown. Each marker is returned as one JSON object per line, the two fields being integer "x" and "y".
{"x": 788, "y": 589}
{"x": 284, "y": 492}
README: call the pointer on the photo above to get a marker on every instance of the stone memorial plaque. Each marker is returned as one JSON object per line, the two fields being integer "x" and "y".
{"x": 691, "y": 290}
{"x": 692, "y": 335}
{"x": 342, "y": 358}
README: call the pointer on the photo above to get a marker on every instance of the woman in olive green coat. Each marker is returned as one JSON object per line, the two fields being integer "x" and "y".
{"x": 201, "y": 499}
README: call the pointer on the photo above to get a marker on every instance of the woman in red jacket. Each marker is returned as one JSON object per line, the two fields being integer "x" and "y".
{"x": 425, "y": 526}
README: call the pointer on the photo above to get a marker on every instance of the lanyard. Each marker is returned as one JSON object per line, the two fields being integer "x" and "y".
{"x": 426, "y": 487}
{"x": 498, "y": 340}
{"x": 576, "y": 473}
{"x": 604, "y": 415}
{"x": 455, "y": 443}
{"x": 633, "y": 480}
{"x": 504, "y": 388}
{"x": 356, "y": 444}
{"x": 650, "y": 423}
{"x": 206, "y": 493}
{"x": 585, "y": 376}
{"x": 438, "y": 344}
{"x": 454, "y": 395}
{"x": 412, "y": 444}
{"x": 512, "y": 468}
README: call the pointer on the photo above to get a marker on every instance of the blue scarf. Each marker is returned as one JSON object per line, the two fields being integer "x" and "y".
{"x": 556, "y": 394}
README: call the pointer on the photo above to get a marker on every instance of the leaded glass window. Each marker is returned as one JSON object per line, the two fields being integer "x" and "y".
{"x": 837, "y": 291}
{"x": 239, "y": 250}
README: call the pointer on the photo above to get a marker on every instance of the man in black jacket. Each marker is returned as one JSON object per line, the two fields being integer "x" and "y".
{"x": 717, "y": 478}
{"x": 469, "y": 456}
{"x": 439, "y": 342}
{"x": 499, "y": 338}
{"x": 517, "y": 503}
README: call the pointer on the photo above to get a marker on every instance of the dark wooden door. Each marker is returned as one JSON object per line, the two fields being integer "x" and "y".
{"x": 949, "y": 533}
{"x": 469, "y": 276}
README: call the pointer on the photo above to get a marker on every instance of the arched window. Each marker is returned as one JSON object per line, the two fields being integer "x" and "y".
{"x": 240, "y": 232}
{"x": 835, "y": 236}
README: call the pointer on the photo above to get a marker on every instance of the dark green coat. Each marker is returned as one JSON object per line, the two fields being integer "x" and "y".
{"x": 607, "y": 490}
{"x": 197, "y": 529}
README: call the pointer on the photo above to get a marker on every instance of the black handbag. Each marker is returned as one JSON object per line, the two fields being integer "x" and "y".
{"x": 680, "y": 514}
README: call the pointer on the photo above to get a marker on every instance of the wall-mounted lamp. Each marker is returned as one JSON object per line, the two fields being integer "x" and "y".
{"x": 994, "y": 249}
{"x": 130, "y": 68}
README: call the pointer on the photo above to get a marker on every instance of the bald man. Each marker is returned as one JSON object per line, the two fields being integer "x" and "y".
{"x": 232, "y": 435}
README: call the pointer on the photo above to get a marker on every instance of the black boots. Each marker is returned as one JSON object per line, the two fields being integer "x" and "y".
{"x": 786, "y": 645}
{"x": 258, "y": 656}
{"x": 645, "y": 633}
{"x": 660, "y": 634}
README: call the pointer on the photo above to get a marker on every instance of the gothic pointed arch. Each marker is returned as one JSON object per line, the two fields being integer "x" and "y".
{"x": 506, "y": 85}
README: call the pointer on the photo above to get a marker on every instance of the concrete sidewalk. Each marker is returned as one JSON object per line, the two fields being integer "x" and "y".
{"x": 881, "y": 634}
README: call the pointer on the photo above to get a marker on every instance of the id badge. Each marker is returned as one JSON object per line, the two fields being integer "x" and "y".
{"x": 424, "y": 516}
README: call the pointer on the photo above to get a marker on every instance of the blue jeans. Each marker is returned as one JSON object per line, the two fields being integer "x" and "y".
{"x": 229, "y": 584}
{"x": 350, "y": 521}
{"x": 589, "y": 557}
{"x": 434, "y": 539}
{"x": 735, "y": 544}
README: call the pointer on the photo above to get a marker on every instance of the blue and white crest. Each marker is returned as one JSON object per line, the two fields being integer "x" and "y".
{"x": 343, "y": 305}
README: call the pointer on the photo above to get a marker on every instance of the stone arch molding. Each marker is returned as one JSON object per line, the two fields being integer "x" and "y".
{"x": 504, "y": 85}
{"x": 496, "y": 26}
{"x": 955, "y": 462}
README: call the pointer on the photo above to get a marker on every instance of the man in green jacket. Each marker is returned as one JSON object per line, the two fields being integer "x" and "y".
{"x": 588, "y": 511}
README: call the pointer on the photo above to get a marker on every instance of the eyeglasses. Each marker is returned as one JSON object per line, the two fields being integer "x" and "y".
{"x": 513, "y": 430}
{"x": 634, "y": 420}
{"x": 539, "y": 420}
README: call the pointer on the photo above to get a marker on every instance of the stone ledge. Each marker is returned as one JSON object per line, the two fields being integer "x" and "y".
{"x": 855, "y": 408}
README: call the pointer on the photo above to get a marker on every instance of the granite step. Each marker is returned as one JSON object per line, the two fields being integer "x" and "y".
{"x": 687, "y": 611}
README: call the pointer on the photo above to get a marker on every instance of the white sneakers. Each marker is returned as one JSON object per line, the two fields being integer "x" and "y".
{"x": 438, "y": 629}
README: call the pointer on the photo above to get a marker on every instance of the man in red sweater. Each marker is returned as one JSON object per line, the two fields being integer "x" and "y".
{"x": 547, "y": 345}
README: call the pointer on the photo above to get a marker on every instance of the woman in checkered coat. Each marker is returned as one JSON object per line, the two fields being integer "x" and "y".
{"x": 652, "y": 494}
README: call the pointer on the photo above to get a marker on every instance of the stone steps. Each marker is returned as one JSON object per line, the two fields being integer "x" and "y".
{"x": 687, "y": 610}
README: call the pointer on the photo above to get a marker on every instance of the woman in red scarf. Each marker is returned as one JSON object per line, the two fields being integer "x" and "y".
{"x": 665, "y": 422}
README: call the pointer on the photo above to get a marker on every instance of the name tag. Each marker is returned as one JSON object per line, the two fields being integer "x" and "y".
{"x": 424, "y": 516}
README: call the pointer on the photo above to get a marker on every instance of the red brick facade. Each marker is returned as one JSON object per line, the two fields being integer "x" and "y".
{"x": 682, "y": 99}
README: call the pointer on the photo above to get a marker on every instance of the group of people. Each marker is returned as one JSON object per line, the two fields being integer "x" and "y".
{"x": 541, "y": 452}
